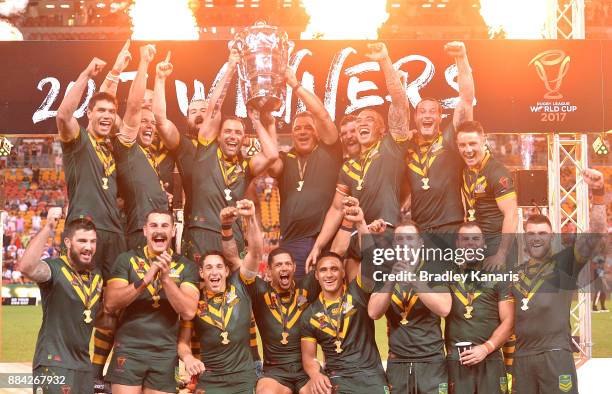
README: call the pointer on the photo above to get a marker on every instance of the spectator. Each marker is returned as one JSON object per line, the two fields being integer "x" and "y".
{"x": 58, "y": 163}
{"x": 36, "y": 222}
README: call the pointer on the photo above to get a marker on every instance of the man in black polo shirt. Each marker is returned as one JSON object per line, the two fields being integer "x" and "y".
{"x": 375, "y": 176}
{"x": 306, "y": 175}
{"x": 543, "y": 361}
{"x": 70, "y": 287}
{"x": 434, "y": 166}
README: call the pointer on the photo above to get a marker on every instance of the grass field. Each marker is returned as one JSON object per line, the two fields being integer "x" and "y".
{"x": 20, "y": 326}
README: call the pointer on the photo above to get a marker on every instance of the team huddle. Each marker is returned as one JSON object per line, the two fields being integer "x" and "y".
{"x": 342, "y": 188}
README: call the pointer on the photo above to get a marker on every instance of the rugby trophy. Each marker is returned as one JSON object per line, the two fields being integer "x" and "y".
{"x": 264, "y": 52}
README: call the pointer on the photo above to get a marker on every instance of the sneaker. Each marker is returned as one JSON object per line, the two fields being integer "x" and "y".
{"x": 102, "y": 387}
{"x": 605, "y": 310}
{"x": 595, "y": 310}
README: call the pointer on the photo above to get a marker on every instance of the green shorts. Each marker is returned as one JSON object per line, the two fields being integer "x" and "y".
{"x": 232, "y": 383}
{"x": 199, "y": 241}
{"x": 545, "y": 373}
{"x": 360, "y": 384}
{"x": 417, "y": 377}
{"x": 136, "y": 240}
{"x": 55, "y": 380}
{"x": 156, "y": 374}
{"x": 291, "y": 376}
{"x": 488, "y": 376}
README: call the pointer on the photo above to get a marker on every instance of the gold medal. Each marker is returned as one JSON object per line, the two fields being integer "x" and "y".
{"x": 228, "y": 194}
{"x": 285, "y": 335}
{"x": 425, "y": 183}
{"x": 404, "y": 320}
{"x": 525, "y": 301}
{"x": 468, "y": 311}
{"x": 105, "y": 183}
{"x": 87, "y": 314}
{"x": 360, "y": 184}
{"x": 338, "y": 345}
{"x": 156, "y": 301}
{"x": 472, "y": 215}
{"x": 300, "y": 185}
{"x": 225, "y": 340}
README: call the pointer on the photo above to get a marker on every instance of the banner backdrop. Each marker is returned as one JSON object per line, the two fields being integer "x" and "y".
{"x": 521, "y": 85}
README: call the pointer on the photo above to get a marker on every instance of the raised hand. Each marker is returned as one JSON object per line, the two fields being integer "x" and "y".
{"x": 290, "y": 78}
{"x": 228, "y": 216}
{"x": 53, "y": 216}
{"x": 123, "y": 59}
{"x": 378, "y": 51}
{"x": 455, "y": 49}
{"x": 147, "y": 53}
{"x": 593, "y": 178}
{"x": 95, "y": 66}
{"x": 246, "y": 208}
{"x": 164, "y": 68}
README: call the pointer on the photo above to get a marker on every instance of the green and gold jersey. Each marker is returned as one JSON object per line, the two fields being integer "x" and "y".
{"x": 375, "y": 179}
{"x": 307, "y": 186}
{"x": 434, "y": 175}
{"x": 217, "y": 182}
{"x": 149, "y": 326}
{"x": 165, "y": 163}
{"x": 70, "y": 301}
{"x": 278, "y": 317}
{"x": 414, "y": 330}
{"x": 474, "y": 313}
{"x": 345, "y": 332}
{"x": 184, "y": 155}
{"x": 222, "y": 327}
{"x": 91, "y": 180}
{"x": 482, "y": 188}
{"x": 544, "y": 293}
{"x": 139, "y": 178}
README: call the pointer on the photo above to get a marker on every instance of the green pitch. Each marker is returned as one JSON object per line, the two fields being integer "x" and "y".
{"x": 20, "y": 326}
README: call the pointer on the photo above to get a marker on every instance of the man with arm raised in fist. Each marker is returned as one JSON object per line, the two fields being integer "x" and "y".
{"x": 306, "y": 175}
{"x": 154, "y": 286}
{"x": 70, "y": 287}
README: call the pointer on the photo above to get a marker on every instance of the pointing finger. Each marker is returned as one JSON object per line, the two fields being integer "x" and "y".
{"x": 168, "y": 57}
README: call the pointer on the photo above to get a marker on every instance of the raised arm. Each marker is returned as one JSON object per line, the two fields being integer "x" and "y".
{"x": 30, "y": 264}
{"x": 464, "y": 110}
{"x": 326, "y": 128}
{"x": 67, "y": 125}
{"x": 112, "y": 78}
{"x": 399, "y": 110}
{"x": 212, "y": 117}
{"x": 265, "y": 126}
{"x": 228, "y": 216}
{"x": 131, "y": 118}
{"x": 586, "y": 243}
{"x": 332, "y": 221}
{"x": 168, "y": 132}
{"x": 253, "y": 237}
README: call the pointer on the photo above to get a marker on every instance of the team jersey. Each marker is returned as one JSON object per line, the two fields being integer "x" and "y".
{"x": 149, "y": 328}
{"x": 344, "y": 331}
{"x": 437, "y": 201}
{"x": 544, "y": 293}
{"x": 474, "y": 313}
{"x": 140, "y": 185}
{"x": 307, "y": 186}
{"x": 91, "y": 180}
{"x": 165, "y": 163}
{"x": 184, "y": 155}
{"x": 482, "y": 188}
{"x": 222, "y": 327}
{"x": 217, "y": 183}
{"x": 69, "y": 299}
{"x": 375, "y": 179}
{"x": 414, "y": 330}
{"x": 278, "y": 317}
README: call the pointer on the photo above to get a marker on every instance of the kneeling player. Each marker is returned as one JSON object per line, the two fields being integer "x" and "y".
{"x": 277, "y": 306}
{"x": 155, "y": 286}
{"x": 338, "y": 321}
{"x": 70, "y": 287}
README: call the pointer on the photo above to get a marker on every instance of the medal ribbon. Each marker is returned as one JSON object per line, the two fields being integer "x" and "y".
{"x": 282, "y": 311}
{"x": 365, "y": 162}
{"x": 464, "y": 294}
{"x": 470, "y": 180}
{"x": 87, "y": 292}
{"x": 224, "y": 314}
{"x": 528, "y": 287}
{"x": 104, "y": 155}
{"x": 338, "y": 324}
{"x": 228, "y": 169}
{"x": 421, "y": 164}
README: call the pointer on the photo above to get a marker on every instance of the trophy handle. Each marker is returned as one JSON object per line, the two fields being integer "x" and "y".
{"x": 238, "y": 45}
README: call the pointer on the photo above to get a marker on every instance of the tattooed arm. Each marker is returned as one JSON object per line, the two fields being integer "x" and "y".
{"x": 463, "y": 111}
{"x": 399, "y": 113}
{"x": 586, "y": 244}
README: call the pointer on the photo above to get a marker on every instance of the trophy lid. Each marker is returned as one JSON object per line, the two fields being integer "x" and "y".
{"x": 258, "y": 35}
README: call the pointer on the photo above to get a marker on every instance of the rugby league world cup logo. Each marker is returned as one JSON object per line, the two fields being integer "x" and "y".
{"x": 546, "y": 64}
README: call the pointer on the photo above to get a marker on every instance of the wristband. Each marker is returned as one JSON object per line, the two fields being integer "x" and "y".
{"x": 112, "y": 79}
{"x": 487, "y": 344}
{"x": 347, "y": 223}
{"x": 115, "y": 73}
{"x": 344, "y": 228}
